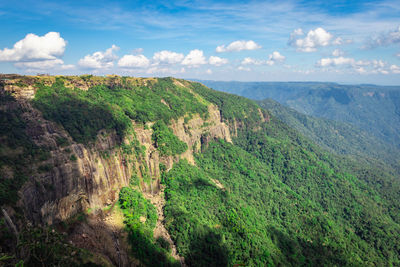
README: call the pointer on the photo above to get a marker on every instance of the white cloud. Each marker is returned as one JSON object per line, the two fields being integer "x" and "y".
{"x": 395, "y": 69}
{"x": 338, "y": 41}
{"x": 327, "y": 62}
{"x": 167, "y": 57}
{"x": 209, "y": 71}
{"x": 137, "y": 51}
{"x": 359, "y": 66}
{"x": 217, "y": 61}
{"x": 237, "y": 46}
{"x": 35, "y": 48}
{"x": 314, "y": 39}
{"x": 243, "y": 68}
{"x": 385, "y": 39}
{"x": 378, "y": 63}
{"x": 44, "y": 65}
{"x": 337, "y": 53}
{"x": 132, "y": 61}
{"x": 252, "y": 61}
{"x": 195, "y": 58}
{"x": 99, "y": 60}
{"x": 275, "y": 57}
{"x": 398, "y": 55}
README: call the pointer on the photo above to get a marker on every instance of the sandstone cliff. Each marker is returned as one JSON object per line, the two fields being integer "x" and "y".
{"x": 90, "y": 177}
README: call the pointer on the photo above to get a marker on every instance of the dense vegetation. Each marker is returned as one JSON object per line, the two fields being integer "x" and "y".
{"x": 284, "y": 206}
{"x": 284, "y": 202}
{"x": 338, "y": 137}
{"x": 165, "y": 140}
{"x": 234, "y": 109}
{"x": 84, "y": 113}
{"x": 140, "y": 219}
{"x": 18, "y": 153}
{"x": 270, "y": 198}
{"x": 372, "y": 108}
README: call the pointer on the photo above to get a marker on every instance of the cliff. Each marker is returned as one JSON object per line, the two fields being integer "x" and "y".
{"x": 78, "y": 177}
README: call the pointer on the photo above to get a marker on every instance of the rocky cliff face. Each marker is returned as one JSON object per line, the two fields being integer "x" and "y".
{"x": 79, "y": 177}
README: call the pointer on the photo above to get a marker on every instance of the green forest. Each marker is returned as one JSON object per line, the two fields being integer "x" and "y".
{"x": 275, "y": 196}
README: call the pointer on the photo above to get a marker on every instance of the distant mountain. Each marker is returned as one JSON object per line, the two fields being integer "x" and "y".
{"x": 338, "y": 137}
{"x": 375, "y": 109}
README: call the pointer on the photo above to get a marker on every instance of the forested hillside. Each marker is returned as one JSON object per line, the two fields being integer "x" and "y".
{"x": 372, "y": 108}
{"x": 167, "y": 172}
{"x": 338, "y": 137}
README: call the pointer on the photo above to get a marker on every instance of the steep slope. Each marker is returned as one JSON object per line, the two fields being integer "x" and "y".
{"x": 372, "y": 108}
{"x": 338, "y": 137}
{"x": 284, "y": 202}
{"x": 86, "y": 155}
{"x": 74, "y": 148}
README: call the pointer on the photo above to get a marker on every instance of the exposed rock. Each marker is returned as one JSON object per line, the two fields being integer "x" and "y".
{"x": 83, "y": 177}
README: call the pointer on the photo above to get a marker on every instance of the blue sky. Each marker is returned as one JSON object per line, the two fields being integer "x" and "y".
{"x": 344, "y": 41}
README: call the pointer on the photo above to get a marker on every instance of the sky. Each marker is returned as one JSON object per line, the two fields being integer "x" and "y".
{"x": 336, "y": 41}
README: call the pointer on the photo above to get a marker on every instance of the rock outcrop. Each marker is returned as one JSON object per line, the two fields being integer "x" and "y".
{"x": 80, "y": 177}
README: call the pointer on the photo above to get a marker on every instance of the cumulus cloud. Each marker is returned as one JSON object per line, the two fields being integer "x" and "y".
{"x": 385, "y": 39}
{"x": 395, "y": 69}
{"x": 167, "y": 57}
{"x": 337, "y": 53}
{"x": 327, "y": 62}
{"x": 35, "y": 48}
{"x": 133, "y": 61}
{"x": 164, "y": 70}
{"x": 241, "y": 68}
{"x": 314, "y": 39}
{"x": 359, "y": 66}
{"x": 50, "y": 64}
{"x": 217, "y": 61}
{"x": 99, "y": 60}
{"x": 237, "y": 46}
{"x": 275, "y": 57}
{"x": 252, "y": 61}
{"x": 195, "y": 58}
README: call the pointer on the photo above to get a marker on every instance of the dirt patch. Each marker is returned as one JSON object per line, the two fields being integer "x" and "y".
{"x": 218, "y": 184}
{"x": 103, "y": 234}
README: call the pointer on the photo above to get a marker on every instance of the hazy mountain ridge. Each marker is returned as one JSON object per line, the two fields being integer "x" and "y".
{"x": 372, "y": 108}
{"x": 338, "y": 137}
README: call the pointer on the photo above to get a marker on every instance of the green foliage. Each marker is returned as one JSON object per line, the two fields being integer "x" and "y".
{"x": 165, "y": 140}
{"x": 282, "y": 204}
{"x": 232, "y": 107}
{"x": 84, "y": 113}
{"x": 17, "y": 150}
{"x": 47, "y": 247}
{"x": 135, "y": 207}
{"x": 62, "y": 141}
{"x": 81, "y": 117}
{"x": 140, "y": 219}
{"x": 45, "y": 168}
{"x": 372, "y": 108}
{"x": 73, "y": 158}
{"x": 338, "y": 137}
